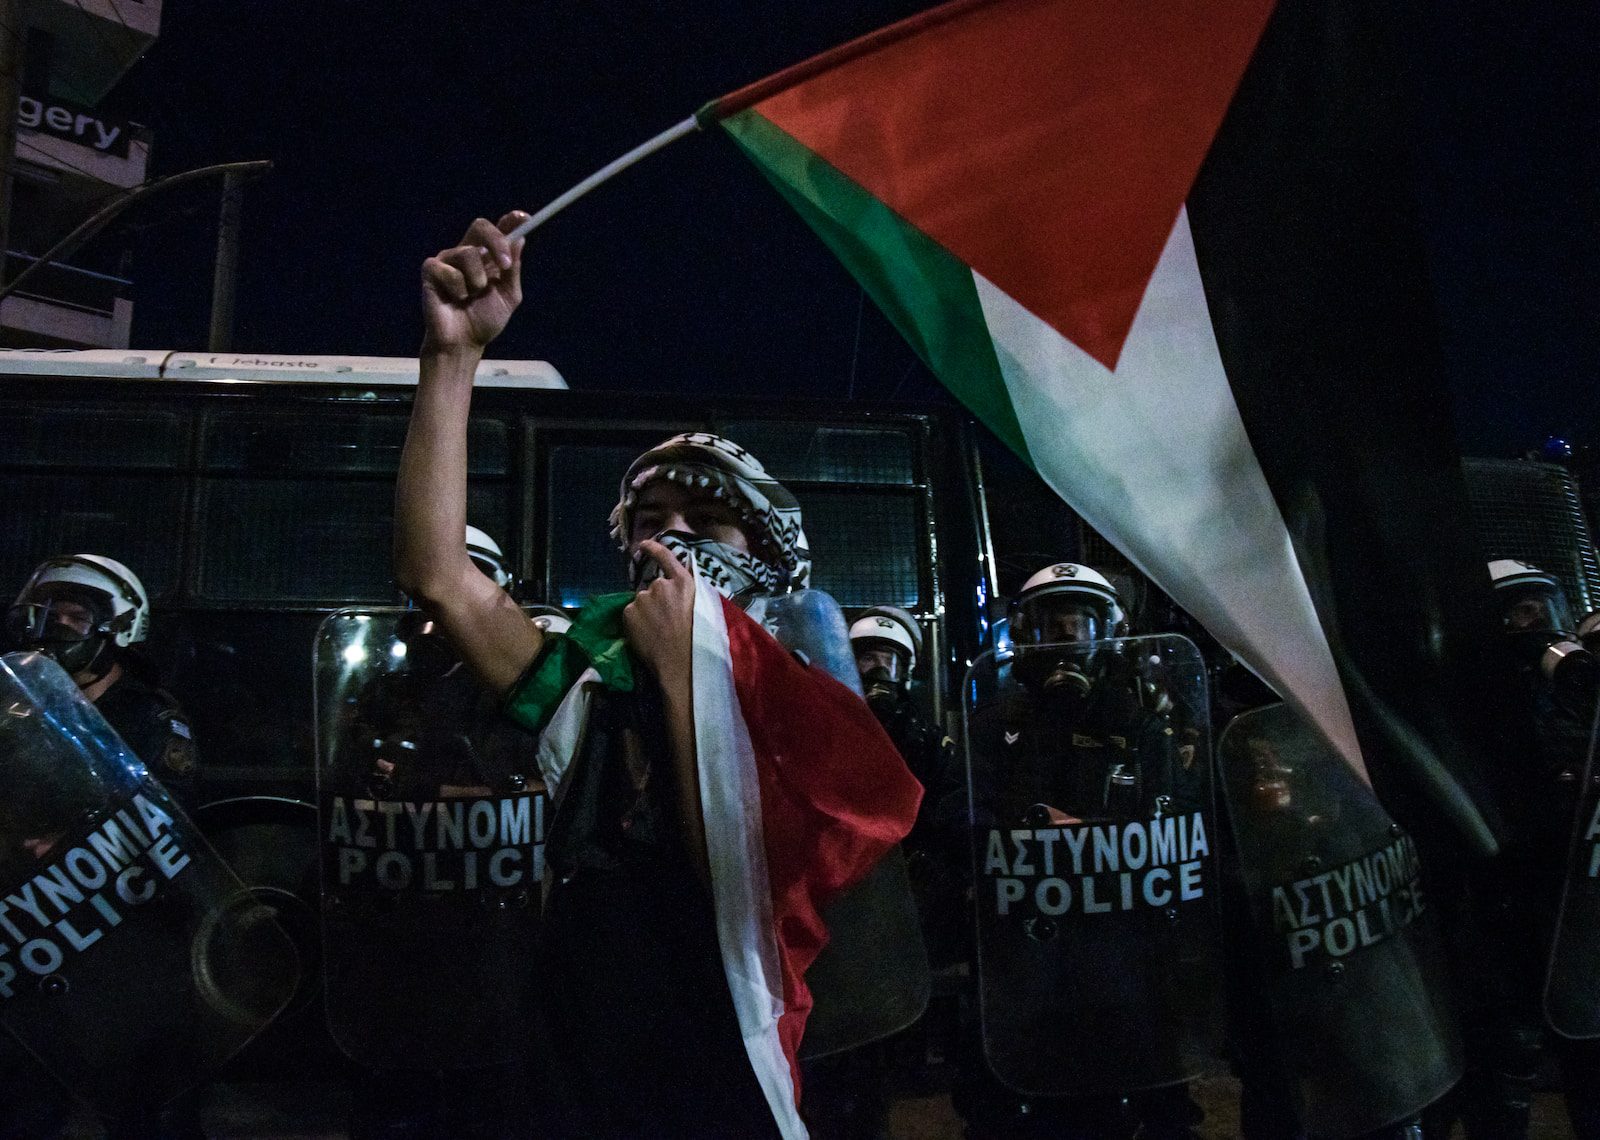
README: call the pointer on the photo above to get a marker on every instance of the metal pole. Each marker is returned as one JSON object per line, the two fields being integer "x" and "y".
{"x": 97, "y": 221}
{"x": 225, "y": 276}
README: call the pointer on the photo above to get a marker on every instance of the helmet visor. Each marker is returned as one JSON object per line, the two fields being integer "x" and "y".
{"x": 885, "y": 656}
{"x": 1060, "y": 618}
{"x": 58, "y": 614}
{"x": 1537, "y": 607}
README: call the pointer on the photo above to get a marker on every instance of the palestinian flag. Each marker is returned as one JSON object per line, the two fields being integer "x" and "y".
{"x": 1160, "y": 251}
{"x": 801, "y": 790}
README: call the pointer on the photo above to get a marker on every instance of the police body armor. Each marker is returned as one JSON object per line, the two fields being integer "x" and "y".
{"x": 132, "y": 960}
{"x": 1093, "y": 837}
{"x": 1350, "y": 962}
{"x": 872, "y": 979}
{"x": 1572, "y": 986}
{"x": 431, "y": 825}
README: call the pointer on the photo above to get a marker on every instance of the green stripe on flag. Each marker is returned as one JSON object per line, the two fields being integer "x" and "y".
{"x": 926, "y": 291}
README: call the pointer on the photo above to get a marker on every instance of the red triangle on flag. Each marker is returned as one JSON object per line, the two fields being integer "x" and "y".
{"x": 1047, "y": 143}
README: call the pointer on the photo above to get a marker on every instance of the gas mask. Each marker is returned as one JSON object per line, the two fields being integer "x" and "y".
{"x": 735, "y": 574}
{"x": 1538, "y": 629}
{"x": 882, "y": 690}
{"x": 1574, "y": 675}
{"x": 1056, "y": 675}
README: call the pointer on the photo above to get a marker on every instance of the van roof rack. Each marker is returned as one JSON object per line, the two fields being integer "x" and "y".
{"x": 266, "y": 367}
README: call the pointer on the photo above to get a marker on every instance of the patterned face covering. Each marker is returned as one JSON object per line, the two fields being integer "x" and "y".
{"x": 733, "y": 573}
{"x": 723, "y": 470}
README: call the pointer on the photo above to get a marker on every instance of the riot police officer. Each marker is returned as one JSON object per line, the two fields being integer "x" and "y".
{"x": 887, "y": 644}
{"x": 1560, "y": 681}
{"x": 847, "y": 1094}
{"x": 91, "y": 614}
{"x": 1112, "y": 720}
{"x": 1089, "y": 735}
{"x": 487, "y": 556}
{"x": 426, "y": 729}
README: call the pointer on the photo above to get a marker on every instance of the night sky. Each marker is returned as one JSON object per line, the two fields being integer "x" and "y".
{"x": 392, "y": 125}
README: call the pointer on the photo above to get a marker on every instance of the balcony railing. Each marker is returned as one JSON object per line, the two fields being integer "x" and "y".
{"x": 59, "y": 284}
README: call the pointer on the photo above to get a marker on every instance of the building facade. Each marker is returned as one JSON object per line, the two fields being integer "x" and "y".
{"x": 73, "y": 155}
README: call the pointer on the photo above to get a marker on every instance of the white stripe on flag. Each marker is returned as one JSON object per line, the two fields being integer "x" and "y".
{"x": 730, "y": 798}
{"x": 1155, "y": 457}
{"x": 558, "y": 743}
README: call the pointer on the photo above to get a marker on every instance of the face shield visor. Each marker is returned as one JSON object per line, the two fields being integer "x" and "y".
{"x": 1059, "y": 619}
{"x": 882, "y": 659}
{"x": 1271, "y": 779}
{"x": 1050, "y": 633}
{"x": 1538, "y": 607}
{"x": 885, "y": 678}
{"x": 69, "y": 622}
{"x": 1539, "y": 627}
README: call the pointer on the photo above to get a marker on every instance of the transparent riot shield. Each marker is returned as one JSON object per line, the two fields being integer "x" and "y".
{"x": 810, "y": 624}
{"x": 132, "y": 961}
{"x": 1350, "y": 964}
{"x": 872, "y": 978}
{"x": 1572, "y": 986}
{"x": 1089, "y": 778}
{"x": 431, "y": 825}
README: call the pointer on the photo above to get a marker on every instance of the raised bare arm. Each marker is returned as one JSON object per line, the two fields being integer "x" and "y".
{"x": 468, "y": 294}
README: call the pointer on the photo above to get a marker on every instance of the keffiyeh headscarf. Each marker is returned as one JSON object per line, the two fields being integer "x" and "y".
{"x": 727, "y": 472}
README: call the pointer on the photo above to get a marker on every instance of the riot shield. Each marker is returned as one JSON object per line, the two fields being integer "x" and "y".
{"x": 132, "y": 961}
{"x": 810, "y": 623}
{"x": 1572, "y": 986}
{"x": 431, "y": 825}
{"x": 1351, "y": 965}
{"x": 271, "y": 844}
{"x": 1090, "y": 796}
{"x": 872, "y": 978}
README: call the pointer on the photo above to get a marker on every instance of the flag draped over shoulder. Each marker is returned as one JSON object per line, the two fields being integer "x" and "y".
{"x": 803, "y": 793}
{"x": 1012, "y": 181}
{"x": 801, "y": 790}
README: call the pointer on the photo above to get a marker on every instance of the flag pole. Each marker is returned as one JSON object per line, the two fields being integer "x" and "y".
{"x": 753, "y": 93}
{"x": 616, "y": 166}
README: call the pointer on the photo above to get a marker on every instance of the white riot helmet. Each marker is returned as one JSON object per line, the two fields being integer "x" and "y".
{"x": 550, "y": 619}
{"x": 74, "y": 606}
{"x": 1530, "y": 598}
{"x": 886, "y": 642}
{"x": 888, "y": 627}
{"x": 1067, "y": 602}
{"x": 1542, "y": 634}
{"x": 487, "y": 556}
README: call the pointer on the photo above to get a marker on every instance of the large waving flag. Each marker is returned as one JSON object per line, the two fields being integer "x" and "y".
{"x": 1008, "y": 181}
{"x": 1171, "y": 254}
{"x": 1015, "y": 184}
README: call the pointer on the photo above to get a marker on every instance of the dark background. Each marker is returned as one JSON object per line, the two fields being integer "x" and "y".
{"x": 393, "y": 123}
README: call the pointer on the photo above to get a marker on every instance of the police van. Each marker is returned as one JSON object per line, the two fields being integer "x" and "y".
{"x": 253, "y": 494}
